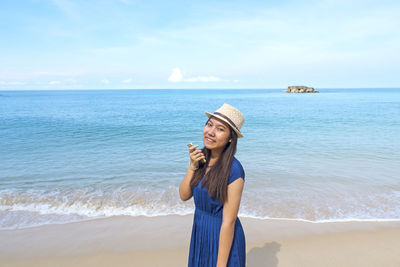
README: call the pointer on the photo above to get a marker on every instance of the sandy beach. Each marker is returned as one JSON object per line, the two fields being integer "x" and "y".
{"x": 164, "y": 241}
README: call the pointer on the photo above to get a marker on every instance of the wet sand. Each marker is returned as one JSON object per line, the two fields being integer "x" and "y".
{"x": 164, "y": 241}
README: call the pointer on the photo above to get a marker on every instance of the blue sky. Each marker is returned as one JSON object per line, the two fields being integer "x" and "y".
{"x": 123, "y": 44}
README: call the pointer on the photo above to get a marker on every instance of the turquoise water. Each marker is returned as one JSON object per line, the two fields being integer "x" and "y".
{"x": 76, "y": 155}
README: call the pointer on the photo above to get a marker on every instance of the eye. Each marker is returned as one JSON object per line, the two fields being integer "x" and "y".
{"x": 209, "y": 124}
{"x": 221, "y": 129}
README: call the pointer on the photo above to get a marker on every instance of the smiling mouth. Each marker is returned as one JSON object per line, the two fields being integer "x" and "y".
{"x": 210, "y": 140}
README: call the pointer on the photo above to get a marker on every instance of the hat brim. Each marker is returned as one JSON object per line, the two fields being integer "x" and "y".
{"x": 208, "y": 114}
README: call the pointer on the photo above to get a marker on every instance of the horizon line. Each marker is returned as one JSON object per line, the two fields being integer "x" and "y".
{"x": 105, "y": 89}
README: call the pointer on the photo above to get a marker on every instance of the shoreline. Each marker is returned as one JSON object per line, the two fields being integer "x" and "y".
{"x": 241, "y": 216}
{"x": 164, "y": 241}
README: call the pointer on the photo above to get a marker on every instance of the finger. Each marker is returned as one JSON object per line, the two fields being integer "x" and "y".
{"x": 200, "y": 156}
{"x": 195, "y": 153}
{"x": 198, "y": 151}
{"x": 192, "y": 148}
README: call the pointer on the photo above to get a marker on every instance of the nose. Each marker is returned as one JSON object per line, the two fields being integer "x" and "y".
{"x": 211, "y": 131}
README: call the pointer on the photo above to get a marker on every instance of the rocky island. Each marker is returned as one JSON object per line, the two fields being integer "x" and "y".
{"x": 300, "y": 89}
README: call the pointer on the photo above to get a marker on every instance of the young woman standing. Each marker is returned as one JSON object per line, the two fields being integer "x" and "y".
{"x": 215, "y": 178}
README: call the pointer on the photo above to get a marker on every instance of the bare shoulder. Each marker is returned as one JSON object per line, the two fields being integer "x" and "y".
{"x": 237, "y": 183}
{"x": 235, "y": 188}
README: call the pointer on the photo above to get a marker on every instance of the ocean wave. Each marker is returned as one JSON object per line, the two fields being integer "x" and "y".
{"x": 41, "y": 207}
{"x": 139, "y": 202}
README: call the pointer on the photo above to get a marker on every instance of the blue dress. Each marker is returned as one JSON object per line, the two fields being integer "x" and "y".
{"x": 207, "y": 224}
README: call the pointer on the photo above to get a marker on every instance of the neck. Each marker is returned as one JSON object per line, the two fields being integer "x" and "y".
{"x": 215, "y": 154}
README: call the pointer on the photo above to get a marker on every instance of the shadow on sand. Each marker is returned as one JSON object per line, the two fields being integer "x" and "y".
{"x": 264, "y": 256}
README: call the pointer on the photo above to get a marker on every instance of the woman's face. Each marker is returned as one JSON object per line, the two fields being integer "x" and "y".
{"x": 216, "y": 134}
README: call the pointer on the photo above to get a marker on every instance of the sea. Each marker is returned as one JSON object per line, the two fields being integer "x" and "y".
{"x": 75, "y": 155}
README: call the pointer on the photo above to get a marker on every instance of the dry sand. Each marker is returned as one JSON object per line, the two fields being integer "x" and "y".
{"x": 164, "y": 241}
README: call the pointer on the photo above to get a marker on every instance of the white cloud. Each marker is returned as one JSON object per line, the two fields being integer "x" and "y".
{"x": 54, "y": 82}
{"x": 127, "y": 80}
{"x": 105, "y": 81}
{"x": 176, "y": 76}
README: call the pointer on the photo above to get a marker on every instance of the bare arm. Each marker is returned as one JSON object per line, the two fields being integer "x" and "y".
{"x": 185, "y": 191}
{"x": 229, "y": 215}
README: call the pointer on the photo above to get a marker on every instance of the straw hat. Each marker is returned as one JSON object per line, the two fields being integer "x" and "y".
{"x": 231, "y": 116}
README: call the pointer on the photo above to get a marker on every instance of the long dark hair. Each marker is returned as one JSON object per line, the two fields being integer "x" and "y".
{"x": 216, "y": 180}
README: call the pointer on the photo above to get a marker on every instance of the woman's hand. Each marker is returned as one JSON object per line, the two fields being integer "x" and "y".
{"x": 185, "y": 190}
{"x": 195, "y": 157}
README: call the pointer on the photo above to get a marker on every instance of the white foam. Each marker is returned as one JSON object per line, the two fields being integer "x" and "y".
{"x": 334, "y": 220}
{"x": 33, "y": 208}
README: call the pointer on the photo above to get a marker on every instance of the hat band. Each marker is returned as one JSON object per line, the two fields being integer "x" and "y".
{"x": 226, "y": 118}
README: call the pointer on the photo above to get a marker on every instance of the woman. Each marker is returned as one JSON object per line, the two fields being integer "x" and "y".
{"x": 215, "y": 179}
